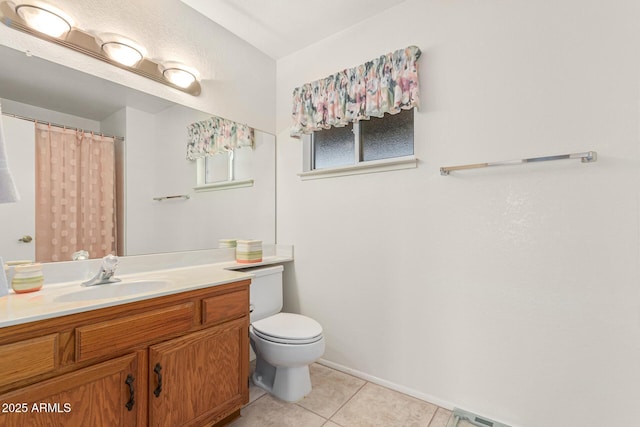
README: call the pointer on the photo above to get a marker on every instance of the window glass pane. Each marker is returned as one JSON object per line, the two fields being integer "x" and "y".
{"x": 242, "y": 159}
{"x": 333, "y": 147}
{"x": 216, "y": 168}
{"x": 388, "y": 136}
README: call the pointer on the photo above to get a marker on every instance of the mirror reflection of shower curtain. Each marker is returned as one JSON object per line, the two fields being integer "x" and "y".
{"x": 75, "y": 194}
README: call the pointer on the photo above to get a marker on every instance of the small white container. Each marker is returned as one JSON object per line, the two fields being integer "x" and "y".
{"x": 27, "y": 278}
{"x": 248, "y": 251}
{"x": 9, "y": 267}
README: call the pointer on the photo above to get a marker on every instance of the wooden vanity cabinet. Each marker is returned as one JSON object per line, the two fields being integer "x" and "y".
{"x": 177, "y": 360}
{"x": 94, "y": 396}
{"x": 196, "y": 376}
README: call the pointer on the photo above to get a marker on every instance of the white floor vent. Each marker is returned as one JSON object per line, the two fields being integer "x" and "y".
{"x": 461, "y": 418}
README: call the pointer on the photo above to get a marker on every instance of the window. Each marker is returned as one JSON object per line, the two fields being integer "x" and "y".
{"x": 223, "y": 171}
{"x": 333, "y": 147}
{"x": 381, "y": 143}
{"x": 387, "y": 137}
{"x": 217, "y": 168}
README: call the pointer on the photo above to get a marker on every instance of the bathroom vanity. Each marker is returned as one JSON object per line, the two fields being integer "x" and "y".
{"x": 171, "y": 357}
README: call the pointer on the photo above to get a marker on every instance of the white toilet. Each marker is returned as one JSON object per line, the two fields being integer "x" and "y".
{"x": 285, "y": 344}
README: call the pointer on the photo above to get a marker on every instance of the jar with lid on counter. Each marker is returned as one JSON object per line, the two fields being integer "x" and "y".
{"x": 27, "y": 278}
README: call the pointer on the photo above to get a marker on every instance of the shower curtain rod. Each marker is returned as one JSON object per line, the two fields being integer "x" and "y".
{"x": 30, "y": 119}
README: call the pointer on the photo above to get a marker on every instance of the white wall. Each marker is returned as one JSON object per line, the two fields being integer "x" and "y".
{"x": 512, "y": 292}
{"x": 19, "y": 219}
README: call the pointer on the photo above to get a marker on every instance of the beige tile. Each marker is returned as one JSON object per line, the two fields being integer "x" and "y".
{"x": 330, "y": 424}
{"x": 330, "y": 390}
{"x": 268, "y": 411}
{"x": 255, "y": 392}
{"x": 441, "y": 418}
{"x": 377, "y": 406}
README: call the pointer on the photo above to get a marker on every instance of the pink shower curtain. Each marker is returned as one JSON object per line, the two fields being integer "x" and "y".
{"x": 75, "y": 194}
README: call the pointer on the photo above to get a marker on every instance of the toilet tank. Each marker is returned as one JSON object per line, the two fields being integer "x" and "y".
{"x": 265, "y": 294}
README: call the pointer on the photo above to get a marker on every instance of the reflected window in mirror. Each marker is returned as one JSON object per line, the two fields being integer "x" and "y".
{"x": 217, "y": 168}
{"x": 230, "y": 169}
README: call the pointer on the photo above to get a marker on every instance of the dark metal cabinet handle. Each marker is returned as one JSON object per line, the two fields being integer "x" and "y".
{"x": 129, "y": 381}
{"x": 158, "y": 389}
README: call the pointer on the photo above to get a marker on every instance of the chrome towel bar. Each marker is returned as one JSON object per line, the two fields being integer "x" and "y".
{"x": 586, "y": 157}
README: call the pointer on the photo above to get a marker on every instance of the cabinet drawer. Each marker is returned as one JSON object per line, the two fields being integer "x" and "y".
{"x": 113, "y": 336}
{"x": 28, "y": 358}
{"x": 225, "y": 307}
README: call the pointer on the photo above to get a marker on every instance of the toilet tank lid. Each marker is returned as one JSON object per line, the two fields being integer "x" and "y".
{"x": 262, "y": 271}
{"x": 288, "y": 326}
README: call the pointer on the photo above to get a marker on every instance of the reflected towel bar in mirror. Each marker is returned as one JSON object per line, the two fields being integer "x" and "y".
{"x": 179, "y": 196}
{"x": 586, "y": 157}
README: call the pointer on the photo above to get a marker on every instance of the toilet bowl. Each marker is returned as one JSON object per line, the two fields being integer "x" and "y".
{"x": 285, "y": 344}
{"x": 284, "y": 353}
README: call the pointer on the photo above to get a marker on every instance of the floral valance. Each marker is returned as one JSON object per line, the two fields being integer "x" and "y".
{"x": 386, "y": 84}
{"x": 217, "y": 135}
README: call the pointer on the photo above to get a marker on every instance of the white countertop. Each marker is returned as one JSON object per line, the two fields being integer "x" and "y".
{"x": 64, "y": 298}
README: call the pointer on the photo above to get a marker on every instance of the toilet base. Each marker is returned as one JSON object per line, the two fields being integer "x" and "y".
{"x": 288, "y": 384}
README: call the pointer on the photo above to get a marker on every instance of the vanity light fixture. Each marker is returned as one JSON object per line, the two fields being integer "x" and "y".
{"x": 122, "y": 50}
{"x": 45, "y": 19}
{"x": 118, "y": 51}
{"x": 122, "y": 53}
{"x": 179, "y": 75}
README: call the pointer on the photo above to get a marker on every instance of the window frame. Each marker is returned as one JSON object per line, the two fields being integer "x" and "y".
{"x": 358, "y": 166}
{"x": 230, "y": 182}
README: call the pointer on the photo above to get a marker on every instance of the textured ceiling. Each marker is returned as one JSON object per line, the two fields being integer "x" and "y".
{"x": 281, "y": 27}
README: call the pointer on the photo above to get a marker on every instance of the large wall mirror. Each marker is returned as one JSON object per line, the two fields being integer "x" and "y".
{"x": 152, "y": 163}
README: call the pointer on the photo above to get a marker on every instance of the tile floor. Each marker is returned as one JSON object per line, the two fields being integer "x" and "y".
{"x": 341, "y": 400}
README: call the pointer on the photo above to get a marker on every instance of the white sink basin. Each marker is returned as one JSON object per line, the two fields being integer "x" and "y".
{"x": 114, "y": 290}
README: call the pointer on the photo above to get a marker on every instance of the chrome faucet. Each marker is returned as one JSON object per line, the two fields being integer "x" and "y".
{"x": 105, "y": 274}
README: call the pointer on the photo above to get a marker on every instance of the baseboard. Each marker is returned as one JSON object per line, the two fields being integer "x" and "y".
{"x": 388, "y": 384}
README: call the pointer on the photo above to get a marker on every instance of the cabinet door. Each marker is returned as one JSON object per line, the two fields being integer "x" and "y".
{"x": 201, "y": 377}
{"x": 94, "y": 396}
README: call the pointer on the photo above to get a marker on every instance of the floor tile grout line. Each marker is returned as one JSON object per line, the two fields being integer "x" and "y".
{"x": 434, "y": 415}
{"x": 294, "y": 403}
{"x": 347, "y": 401}
{"x": 255, "y": 400}
{"x": 341, "y": 372}
{"x": 354, "y": 393}
{"x": 313, "y": 412}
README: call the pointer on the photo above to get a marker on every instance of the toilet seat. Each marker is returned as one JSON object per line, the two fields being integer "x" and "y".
{"x": 288, "y": 328}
